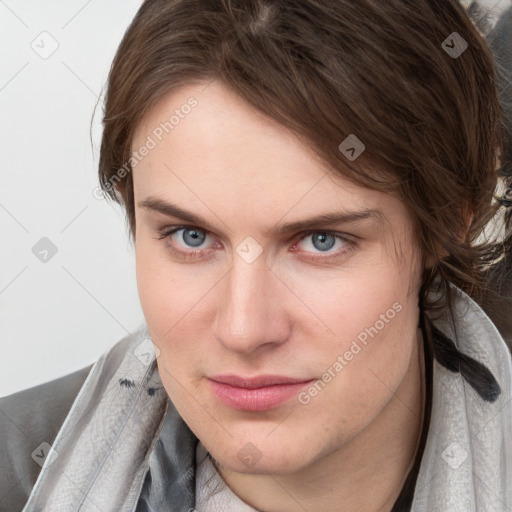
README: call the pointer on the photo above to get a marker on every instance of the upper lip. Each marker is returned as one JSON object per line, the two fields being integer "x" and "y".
{"x": 259, "y": 381}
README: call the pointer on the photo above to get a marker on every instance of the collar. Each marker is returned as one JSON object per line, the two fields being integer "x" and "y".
{"x": 467, "y": 462}
{"x": 124, "y": 446}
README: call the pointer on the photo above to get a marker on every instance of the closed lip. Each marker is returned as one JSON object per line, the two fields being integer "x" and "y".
{"x": 255, "y": 394}
{"x": 259, "y": 381}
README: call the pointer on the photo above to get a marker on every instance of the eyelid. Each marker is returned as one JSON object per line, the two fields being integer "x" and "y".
{"x": 345, "y": 236}
{"x": 170, "y": 230}
{"x": 347, "y": 239}
{"x": 167, "y": 231}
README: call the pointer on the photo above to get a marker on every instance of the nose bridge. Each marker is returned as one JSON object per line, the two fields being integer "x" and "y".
{"x": 248, "y": 315}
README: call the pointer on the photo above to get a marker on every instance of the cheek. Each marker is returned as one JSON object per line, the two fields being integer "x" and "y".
{"x": 161, "y": 295}
{"x": 359, "y": 379}
{"x": 374, "y": 318}
{"x": 355, "y": 303}
{"x": 153, "y": 293}
{"x": 168, "y": 296}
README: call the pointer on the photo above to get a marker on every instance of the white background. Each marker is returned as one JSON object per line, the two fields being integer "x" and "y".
{"x": 59, "y": 316}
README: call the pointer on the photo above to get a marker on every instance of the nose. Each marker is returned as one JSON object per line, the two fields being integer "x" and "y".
{"x": 251, "y": 311}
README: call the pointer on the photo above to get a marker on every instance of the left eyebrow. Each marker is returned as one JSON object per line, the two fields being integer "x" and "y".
{"x": 330, "y": 219}
{"x": 319, "y": 221}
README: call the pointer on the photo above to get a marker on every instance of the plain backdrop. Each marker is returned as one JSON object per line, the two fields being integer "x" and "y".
{"x": 67, "y": 271}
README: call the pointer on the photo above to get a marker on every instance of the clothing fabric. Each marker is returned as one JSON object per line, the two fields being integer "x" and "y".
{"x": 29, "y": 418}
{"x": 124, "y": 447}
{"x": 212, "y": 494}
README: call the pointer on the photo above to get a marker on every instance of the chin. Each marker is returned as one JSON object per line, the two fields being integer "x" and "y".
{"x": 275, "y": 464}
{"x": 262, "y": 455}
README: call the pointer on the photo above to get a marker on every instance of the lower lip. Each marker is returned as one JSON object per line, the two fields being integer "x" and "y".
{"x": 257, "y": 399}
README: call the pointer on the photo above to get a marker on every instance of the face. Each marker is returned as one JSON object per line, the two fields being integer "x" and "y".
{"x": 277, "y": 346}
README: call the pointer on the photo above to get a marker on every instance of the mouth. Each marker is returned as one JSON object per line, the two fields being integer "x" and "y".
{"x": 256, "y": 394}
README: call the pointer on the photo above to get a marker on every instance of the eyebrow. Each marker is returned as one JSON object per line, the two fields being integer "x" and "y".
{"x": 324, "y": 219}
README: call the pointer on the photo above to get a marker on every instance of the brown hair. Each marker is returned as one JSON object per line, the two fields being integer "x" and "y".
{"x": 431, "y": 121}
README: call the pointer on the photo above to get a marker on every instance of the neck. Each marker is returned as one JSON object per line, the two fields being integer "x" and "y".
{"x": 367, "y": 473}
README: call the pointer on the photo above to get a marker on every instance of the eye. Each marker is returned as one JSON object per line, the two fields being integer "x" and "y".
{"x": 317, "y": 243}
{"x": 324, "y": 241}
{"x": 191, "y": 236}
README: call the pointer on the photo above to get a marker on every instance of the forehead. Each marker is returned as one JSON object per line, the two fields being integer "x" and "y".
{"x": 222, "y": 131}
{"x": 221, "y": 152}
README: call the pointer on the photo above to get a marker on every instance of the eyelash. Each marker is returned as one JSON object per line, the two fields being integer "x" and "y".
{"x": 167, "y": 232}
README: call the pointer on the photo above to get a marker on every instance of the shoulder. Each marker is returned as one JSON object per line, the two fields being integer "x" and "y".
{"x": 29, "y": 418}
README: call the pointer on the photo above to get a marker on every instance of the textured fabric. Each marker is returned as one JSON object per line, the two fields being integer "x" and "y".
{"x": 212, "y": 494}
{"x": 467, "y": 464}
{"x": 29, "y": 418}
{"x": 99, "y": 458}
{"x": 114, "y": 453}
{"x": 170, "y": 481}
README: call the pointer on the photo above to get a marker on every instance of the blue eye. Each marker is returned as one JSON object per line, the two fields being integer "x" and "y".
{"x": 193, "y": 236}
{"x": 322, "y": 240}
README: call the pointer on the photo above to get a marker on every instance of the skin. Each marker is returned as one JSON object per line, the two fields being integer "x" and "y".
{"x": 350, "y": 448}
